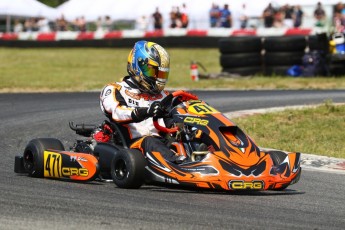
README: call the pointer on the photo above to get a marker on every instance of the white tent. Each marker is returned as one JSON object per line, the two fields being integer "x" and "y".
{"x": 25, "y": 8}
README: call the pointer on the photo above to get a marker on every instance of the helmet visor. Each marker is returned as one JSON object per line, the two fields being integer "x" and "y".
{"x": 155, "y": 72}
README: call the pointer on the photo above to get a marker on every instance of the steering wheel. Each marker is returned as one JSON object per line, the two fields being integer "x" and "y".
{"x": 183, "y": 96}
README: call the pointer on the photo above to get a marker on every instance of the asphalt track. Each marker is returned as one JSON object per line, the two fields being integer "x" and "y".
{"x": 316, "y": 202}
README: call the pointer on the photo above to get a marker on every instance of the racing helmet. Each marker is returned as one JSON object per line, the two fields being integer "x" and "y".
{"x": 148, "y": 64}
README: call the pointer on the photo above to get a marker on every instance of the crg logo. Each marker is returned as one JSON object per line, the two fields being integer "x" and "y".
{"x": 243, "y": 185}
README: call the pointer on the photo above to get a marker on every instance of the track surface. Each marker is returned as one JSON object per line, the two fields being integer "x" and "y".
{"x": 316, "y": 202}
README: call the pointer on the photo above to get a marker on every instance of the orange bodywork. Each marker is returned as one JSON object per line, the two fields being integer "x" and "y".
{"x": 211, "y": 173}
{"x": 70, "y": 165}
{"x": 234, "y": 163}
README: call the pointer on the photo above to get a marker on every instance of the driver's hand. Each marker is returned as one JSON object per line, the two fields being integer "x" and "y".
{"x": 157, "y": 110}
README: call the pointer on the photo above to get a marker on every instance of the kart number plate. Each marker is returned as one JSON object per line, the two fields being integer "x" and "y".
{"x": 200, "y": 108}
{"x": 52, "y": 164}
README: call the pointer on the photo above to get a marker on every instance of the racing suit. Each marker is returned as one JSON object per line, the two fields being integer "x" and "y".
{"x": 119, "y": 100}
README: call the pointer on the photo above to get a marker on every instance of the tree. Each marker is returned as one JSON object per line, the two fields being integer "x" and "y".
{"x": 53, "y": 3}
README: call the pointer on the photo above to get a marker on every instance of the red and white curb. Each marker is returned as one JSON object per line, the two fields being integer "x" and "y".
{"x": 120, "y": 34}
{"x": 308, "y": 161}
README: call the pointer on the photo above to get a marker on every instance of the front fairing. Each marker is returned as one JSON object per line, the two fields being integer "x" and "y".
{"x": 217, "y": 172}
{"x": 236, "y": 163}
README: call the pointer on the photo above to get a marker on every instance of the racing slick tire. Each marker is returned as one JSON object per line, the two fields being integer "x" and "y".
{"x": 33, "y": 158}
{"x": 283, "y": 58}
{"x": 240, "y": 60}
{"x": 240, "y": 45}
{"x": 285, "y": 44}
{"x": 128, "y": 169}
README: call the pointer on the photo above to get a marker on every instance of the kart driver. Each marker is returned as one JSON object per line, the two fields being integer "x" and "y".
{"x": 137, "y": 98}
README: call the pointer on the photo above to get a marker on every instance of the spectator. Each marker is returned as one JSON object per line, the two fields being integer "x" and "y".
{"x": 297, "y": 16}
{"x": 288, "y": 12}
{"x": 268, "y": 16}
{"x": 61, "y": 24}
{"x": 30, "y": 25}
{"x": 141, "y": 23}
{"x": 214, "y": 15}
{"x": 226, "y": 17}
{"x": 157, "y": 20}
{"x": 243, "y": 16}
{"x": 343, "y": 16}
{"x": 43, "y": 25}
{"x": 107, "y": 24}
{"x": 175, "y": 17}
{"x": 75, "y": 24}
{"x": 184, "y": 16}
{"x": 319, "y": 15}
{"x": 18, "y": 26}
{"x": 278, "y": 21}
{"x": 99, "y": 24}
{"x": 82, "y": 24}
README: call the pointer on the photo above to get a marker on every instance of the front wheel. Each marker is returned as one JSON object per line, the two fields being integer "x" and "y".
{"x": 128, "y": 169}
{"x": 33, "y": 157}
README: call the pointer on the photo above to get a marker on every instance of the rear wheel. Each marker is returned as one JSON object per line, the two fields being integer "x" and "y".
{"x": 33, "y": 154}
{"x": 128, "y": 169}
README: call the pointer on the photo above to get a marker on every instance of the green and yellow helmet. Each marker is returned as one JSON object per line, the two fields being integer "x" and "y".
{"x": 149, "y": 64}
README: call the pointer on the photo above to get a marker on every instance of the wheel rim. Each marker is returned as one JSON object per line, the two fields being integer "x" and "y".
{"x": 28, "y": 160}
{"x": 120, "y": 169}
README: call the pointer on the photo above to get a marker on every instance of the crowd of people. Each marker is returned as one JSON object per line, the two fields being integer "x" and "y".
{"x": 286, "y": 16}
{"x": 339, "y": 17}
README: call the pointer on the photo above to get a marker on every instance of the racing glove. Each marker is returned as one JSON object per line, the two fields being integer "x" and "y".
{"x": 155, "y": 110}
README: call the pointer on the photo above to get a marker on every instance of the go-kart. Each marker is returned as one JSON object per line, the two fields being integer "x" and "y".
{"x": 219, "y": 155}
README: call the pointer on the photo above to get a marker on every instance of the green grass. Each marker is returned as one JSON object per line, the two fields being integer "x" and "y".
{"x": 80, "y": 69}
{"x": 317, "y": 130}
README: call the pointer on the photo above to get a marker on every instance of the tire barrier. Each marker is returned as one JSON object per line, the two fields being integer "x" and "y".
{"x": 241, "y": 55}
{"x": 280, "y": 53}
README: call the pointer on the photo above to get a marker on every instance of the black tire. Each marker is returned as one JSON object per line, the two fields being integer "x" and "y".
{"x": 277, "y": 157}
{"x": 276, "y": 70}
{"x": 337, "y": 69}
{"x": 128, "y": 169}
{"x": 240, "y": 45}
{"x": 33, "y": 154}
{"x": 244, "y": 71}
{"x": 318, "y": 42}
{"x": 240, "y": 60}
{"x": 285, "y": 44}
{"x": 283, "y": 58}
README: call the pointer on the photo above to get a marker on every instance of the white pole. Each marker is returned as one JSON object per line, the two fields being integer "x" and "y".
{"x": 8, "y": 23}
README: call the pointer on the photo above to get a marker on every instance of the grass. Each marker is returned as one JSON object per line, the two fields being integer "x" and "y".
{"x": 81, "y": 69}
{"x": 317, "y": 130}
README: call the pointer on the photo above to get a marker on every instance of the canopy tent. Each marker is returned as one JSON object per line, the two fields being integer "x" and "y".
{"x": 198, "y": 10}
{"x": 25, "y": 8}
